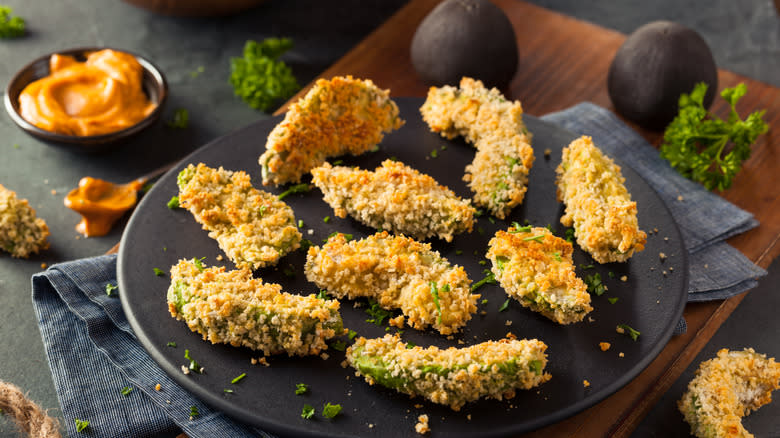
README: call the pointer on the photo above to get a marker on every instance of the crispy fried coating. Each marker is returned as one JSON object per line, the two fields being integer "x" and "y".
{"x": 536, "y": 268}
{"x": 725, "y": 389}
{"x": 338, "y": 116}
{"x": 395, "y": 197}
{"x": 254, "y": 228}
{"x": 598, "y": 204}
{"x": 21, "y": 232}
{"x": 234, "y": 308}
{"x": 453, "y": 376}
{"x": 399, "y": 273}
{"x": 498, "y": 176}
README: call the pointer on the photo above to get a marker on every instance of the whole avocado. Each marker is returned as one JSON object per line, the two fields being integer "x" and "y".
{"x": 655, "y": 65}
{"x": 465, "y": 38}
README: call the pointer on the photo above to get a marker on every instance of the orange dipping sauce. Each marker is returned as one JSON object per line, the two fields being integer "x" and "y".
{"x": 100, "y": 203}
{"x": 99, "y": 96}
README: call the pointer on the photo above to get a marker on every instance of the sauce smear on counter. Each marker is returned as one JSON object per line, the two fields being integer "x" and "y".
{"x": 99, "y": 96}
{"x": 100, "y": 203}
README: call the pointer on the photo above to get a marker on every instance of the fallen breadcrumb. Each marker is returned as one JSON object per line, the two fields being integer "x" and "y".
{"x": 422, "y": 425}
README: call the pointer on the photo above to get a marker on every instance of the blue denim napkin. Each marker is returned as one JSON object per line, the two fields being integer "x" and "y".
{"x": 93, "y": 353}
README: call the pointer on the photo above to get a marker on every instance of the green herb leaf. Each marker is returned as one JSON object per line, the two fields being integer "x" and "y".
{"x": 227, "y": 391}
{"x": 194, "y": 412}
{"x": 705, "y": 148}
{"x": 445, "y": 288}
{"x": 611, "y": 274}
{"x": 535, "y": 366}
{"x": 298, "y": 188}
{"x": 81, "y": 425}
{"x": 351, "y": 334}
{"x": 181, "y": 119}
{"x": 12, "y": 27}
{"x": 330, "y": 411}
{"x": 159, "y": 272}
{"x": 110, "y": 288}
{"x": 198, "y": 262}
{"x": 490, "y": 278}
{"x": 173, "y": 203}
{"x": 301, "y": 388}
{"x": 260, "y": 78}
{"x": 537, "y": 238}
{"x": 126, "y": 390}
{"x": 570, "y": 235}
{"x": 410, "y": 345}
{"x": 630, "y": 331}
{"x": 323, "y": 294}
{"x": 300, "y": 223}
{"x": 377, "y": 313}
{"x": 458, "y": 251}
{"x": 194, "y": 366}
{"x": 308, "y": 412}
{"x": 338, "y": 345}
{"x": 595, "y": 286}
{"x": 485, "y": 301}
{"x": 501, "y": 262}
{"x": 612, "y": 300}
{"x": 519, "y": 228}
{"x": 557, "y": 256}
{"x": 326, "y": 219}
{"x": 238, "y": 378}
{"x": 171, "y": 344}
{"x": 504, "y": 306}
{"x": 585, "y": 267}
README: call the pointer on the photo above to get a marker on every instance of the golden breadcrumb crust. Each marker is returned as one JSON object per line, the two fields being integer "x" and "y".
{"x": 399, "y": 273}
{"x": 725, "y": 389}
{"x": 395, "y": 197}
{"x": 338, "y": 116}
{"x": 598, "y": 204}
{"x": 536, "y": 268}
{"x": 253, "y": 227}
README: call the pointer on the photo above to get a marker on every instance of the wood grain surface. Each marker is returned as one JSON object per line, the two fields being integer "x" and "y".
{"x": 564, "y": 61}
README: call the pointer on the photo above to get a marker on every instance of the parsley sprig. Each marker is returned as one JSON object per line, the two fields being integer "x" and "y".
{"x": 10, "y": 26}
{"x": 705, "y": 148}
{"x": 259, "y": 77}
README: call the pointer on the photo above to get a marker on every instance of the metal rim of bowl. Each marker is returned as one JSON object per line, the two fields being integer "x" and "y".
{"x": 11, "y": 100}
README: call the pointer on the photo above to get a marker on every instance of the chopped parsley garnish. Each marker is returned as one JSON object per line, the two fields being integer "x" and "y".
{"x": 630, "y": 331}
{"x": 338, "y": 162}
{"x": 300, "y": 223}
{"x": 262, "y": 210}
{"x": 595, "y": 286}
{"x": 308, "y": 412}
{"x": 338, "y": 345}
{"x": 298, "y": 188}
{"x": 81, "y": 425}
{"x": 537, "y": 238}
{"x": 435, "y": 293}
{"x": 227, "y": 391}
{"x": 434, "y": 153}
{"x": 445, "y": 288}
{"x": 612, "y": 300}
{"x": 238, "y": 378}
{"x": 557, "y": 255}
{"x": 519, "y": 228}
{"x": 126, "y": 390}
{"x": 490, "y": 278}
{"x": 110, "y": 288}
{"x": 12, "y": 27}
{"x": 171, "y": 344}
{"x": 330, "y": 411}
{"x": 611, "y": 274}
{"x": 173, "y": 203}
{"x": 491, "y": 220}
{"x": 458, "y": 251}
{"x": 159, "y": 272}
{"x": 301, "y": 388}
{"x": 501, "y": 262}
{"x": 195, "y": 73}
{"x": 479, "y": 212}
{"x": 306, "y": 244}
{"x": 194, "y": 365}
{"x": 323, "y": 294}
{"x": 535, "y": 366}
{"x": 480, "y": 230}
{"x": 485, "y": 301}
{"x": 326, "y": 219}
{"x": 259, "y": 78}
{"x": 482, "y": 262}
{"x": 198, "y": 262}
{"x": 351, "y": 334}
{"x": 374, "y": 149}
{"x": 704, "y": 148}
{"x": 377, "y": 314}
{"x": 147, "y": 187}
{"x": 194, "y": 412}
{"x": 504, "y": 306}
{"x": 584, "y": 267}
{"x": 570, "y": 235}
{"x": 181, "y": 119}
{"x": 410, "y": 345}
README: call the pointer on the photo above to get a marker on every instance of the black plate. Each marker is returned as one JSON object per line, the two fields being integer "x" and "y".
{"x": 648, "y": 301}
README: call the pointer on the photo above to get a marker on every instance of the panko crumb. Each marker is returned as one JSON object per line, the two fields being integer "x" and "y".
{"x": 158, "y": 387}
{"x": 662, "y": 256}
{"x": 422, "y": 425}
{"x": 220, "y": 258}
{"x": 680, "y": 198}
{"x": 262, "y": 361}
{"x": 508, "y": 323}
{"x": 591, "y": 319}
{"x": 253, "y": 361}
{"x": 344, "y": 364}
{"x": 468, "y": 417}
{"x": 44, "y": 266}
{"x": 510, "y": 335}
{"x": 398, "y": 321}
{"x": 185, "y": 370}
{"x": 585, "y": 383}
{"x": 624, "y": 278}
{"x": 460, "y": 342}
{"x": 620, "y": 330}
{"x": 604, "y": 346}
{"x": 418, "y": 406}
{"x": 324, "y": 356}
{"x": 621, "y": 354}
{"x": 547, "y": 153}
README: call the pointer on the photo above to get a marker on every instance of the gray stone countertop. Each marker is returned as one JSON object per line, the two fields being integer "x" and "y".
{"x": 744, "y": 36}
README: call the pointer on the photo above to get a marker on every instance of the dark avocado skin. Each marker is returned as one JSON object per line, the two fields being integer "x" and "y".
{"x": 465, "y": 38}
{"x": 654, "y": 66}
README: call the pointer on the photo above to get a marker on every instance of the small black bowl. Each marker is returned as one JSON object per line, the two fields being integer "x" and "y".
{"x": 154, "y": 86}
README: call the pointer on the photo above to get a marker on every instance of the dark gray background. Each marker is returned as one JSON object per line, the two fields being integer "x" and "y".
{"x": 744, "y": 36}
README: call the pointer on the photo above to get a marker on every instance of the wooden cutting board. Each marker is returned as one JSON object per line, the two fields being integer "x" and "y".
{"x": 564, "y": 61}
